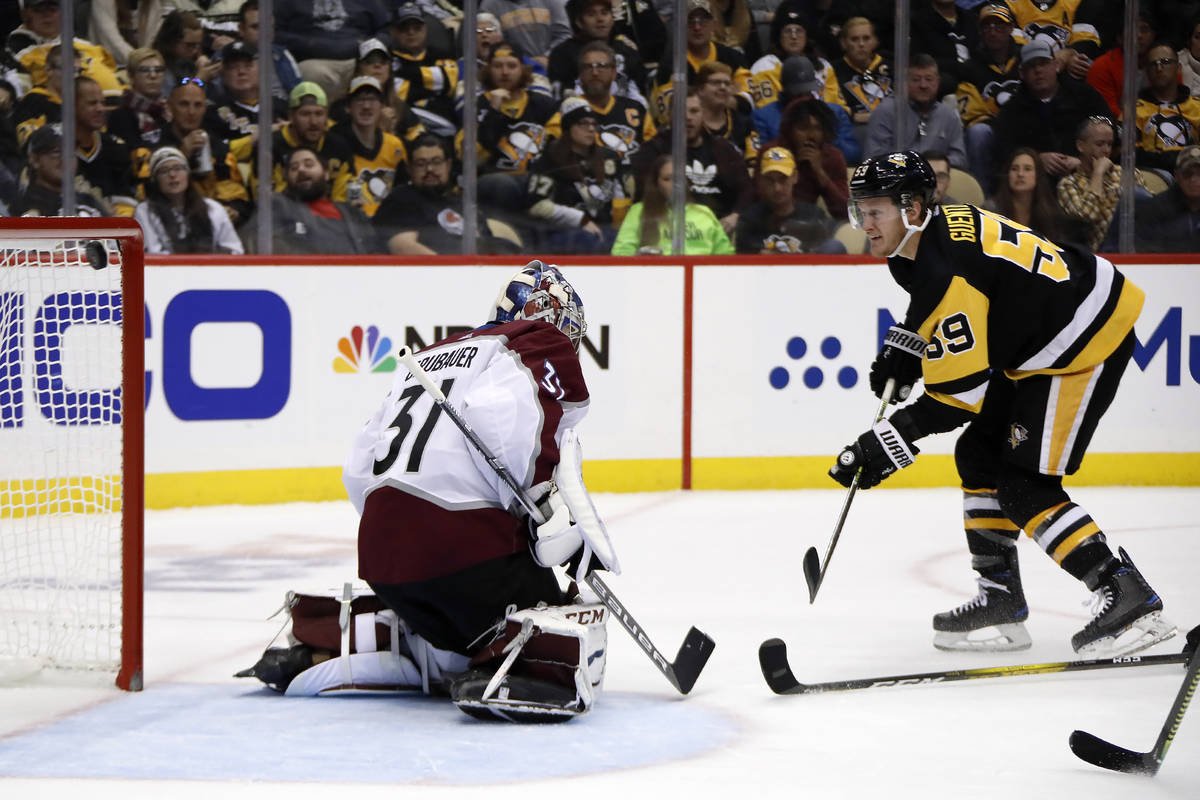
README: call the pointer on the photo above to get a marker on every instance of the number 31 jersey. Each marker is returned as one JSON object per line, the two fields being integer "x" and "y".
{"x": 988, "y": 293}
{"x": 430, "y": 503}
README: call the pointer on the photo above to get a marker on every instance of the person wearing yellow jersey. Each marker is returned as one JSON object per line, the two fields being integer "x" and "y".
{"x": 701, "y": 48}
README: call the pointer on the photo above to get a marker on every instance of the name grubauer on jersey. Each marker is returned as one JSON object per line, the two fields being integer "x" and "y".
{"x": 518, "y": 385}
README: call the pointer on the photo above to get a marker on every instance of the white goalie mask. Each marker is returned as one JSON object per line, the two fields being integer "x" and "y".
{"x": 539, "y": 291}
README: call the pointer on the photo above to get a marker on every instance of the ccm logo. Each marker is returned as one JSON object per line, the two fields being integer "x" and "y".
{"x": 587, "y": 616}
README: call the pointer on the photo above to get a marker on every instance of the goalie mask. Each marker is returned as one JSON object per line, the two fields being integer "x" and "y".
{"x": 901, "y": 176}
{"x": 539, "y": 291}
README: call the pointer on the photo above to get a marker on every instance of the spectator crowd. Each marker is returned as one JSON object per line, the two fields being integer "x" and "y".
{"x": 1018, "y": 105}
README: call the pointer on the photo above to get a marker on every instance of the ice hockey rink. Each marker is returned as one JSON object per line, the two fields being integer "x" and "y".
{"x": 727, "y": 562}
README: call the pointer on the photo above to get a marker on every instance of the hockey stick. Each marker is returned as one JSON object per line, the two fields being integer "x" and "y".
{"x": 772, "y": 657}
{"x": 814, "y": 567}
{"x": 697, "y": 646}
{"x": 1095, "y": 750}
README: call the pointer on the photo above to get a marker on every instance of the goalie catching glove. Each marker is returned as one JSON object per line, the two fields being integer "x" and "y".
{"x": 900, "y": 358}
{"x": 572, "y": 530}
{"x": 878, "y": 453}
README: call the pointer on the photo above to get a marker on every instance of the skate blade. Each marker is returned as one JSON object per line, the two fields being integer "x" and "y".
{"x": 1142, "y": 633}
{"x": 997, "y": 639}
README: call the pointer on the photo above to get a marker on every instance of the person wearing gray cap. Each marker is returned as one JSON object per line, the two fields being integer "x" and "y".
{"x": 1045, "y": 113}
{"x": 1169, "y": 222}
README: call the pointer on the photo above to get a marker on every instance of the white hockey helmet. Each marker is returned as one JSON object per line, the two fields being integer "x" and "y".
{"x": 539, "y": 291}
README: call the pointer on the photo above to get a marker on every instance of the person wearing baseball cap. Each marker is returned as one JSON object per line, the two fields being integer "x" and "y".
{"x": 308, "y": 126}
{"x": 580, "y": 184}
{"x": 42, "y": 194}
{"x": 987, "y": 79}
{"x": 235, "y": 100}
{"x": 378, "y": 154}
{"x": 424, "y": 80}
{"x": 776, "y": 223}
{"x": 1169, "y": 222}
{"x": 702, "y": 46}
{"x": 1045, "y": 113}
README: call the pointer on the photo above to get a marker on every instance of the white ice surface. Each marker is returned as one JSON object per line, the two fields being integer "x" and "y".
{"x": 726, "y": 562}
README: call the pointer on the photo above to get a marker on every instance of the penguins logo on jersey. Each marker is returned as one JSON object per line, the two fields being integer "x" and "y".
{"x": 1171, "y": 130}
{"x": 869, "y": 89}
{"x": 1017, "y": 433}
{"x": 377, "y": 182}
{"x": 521, "y": 146}
{"x": 620, "y": 138}
{"x": 1056, "y": 35}
{"x": 999, "y": 92}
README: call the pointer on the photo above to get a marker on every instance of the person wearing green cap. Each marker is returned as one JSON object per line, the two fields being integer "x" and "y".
{"x": 308, "y": 126}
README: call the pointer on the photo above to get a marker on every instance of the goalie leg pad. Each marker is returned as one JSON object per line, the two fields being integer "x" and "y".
{"x": 546, "y": 665}
{"x": 353, "y": 644}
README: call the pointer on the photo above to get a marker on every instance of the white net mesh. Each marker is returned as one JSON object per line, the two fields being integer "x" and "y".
{"x": 60, "y": 457}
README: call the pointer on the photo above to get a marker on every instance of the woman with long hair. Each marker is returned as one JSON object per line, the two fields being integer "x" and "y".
{"x": 175, "y": 217}
{"x": 1024, "y": 194}
{"x": 647, "y": 227}
{"x": 577, "y": 185}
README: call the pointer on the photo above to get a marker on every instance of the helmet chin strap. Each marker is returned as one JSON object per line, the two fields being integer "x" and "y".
{"x": 911, "y": 230}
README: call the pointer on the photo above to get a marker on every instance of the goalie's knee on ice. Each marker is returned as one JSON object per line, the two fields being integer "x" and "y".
{"x": 545, "y": 665}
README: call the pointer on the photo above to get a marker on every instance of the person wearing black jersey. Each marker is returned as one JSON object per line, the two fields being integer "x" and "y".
{"x": 1025, "y": 340}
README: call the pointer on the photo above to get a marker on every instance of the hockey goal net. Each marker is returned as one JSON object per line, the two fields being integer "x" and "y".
{"x": 71, "y": 410}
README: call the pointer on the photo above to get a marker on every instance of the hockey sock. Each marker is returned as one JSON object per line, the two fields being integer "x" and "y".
{"x": 991, "y": 536}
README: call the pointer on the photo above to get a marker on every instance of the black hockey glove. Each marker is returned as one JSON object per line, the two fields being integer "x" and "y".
{"x": 900, "y": 358}
{"x": 879, "y": 452}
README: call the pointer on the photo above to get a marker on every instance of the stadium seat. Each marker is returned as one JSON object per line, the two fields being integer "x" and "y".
{"x": 853, "y": 239}
{"x": 1153, "y": 181}
{"x": 964, "y": 188}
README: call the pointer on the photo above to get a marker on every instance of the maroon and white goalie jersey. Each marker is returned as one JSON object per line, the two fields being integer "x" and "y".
{"x": 429, "y": 502}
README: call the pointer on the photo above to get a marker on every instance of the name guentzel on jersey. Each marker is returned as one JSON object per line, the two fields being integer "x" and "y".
{"x": 961, "y": 222}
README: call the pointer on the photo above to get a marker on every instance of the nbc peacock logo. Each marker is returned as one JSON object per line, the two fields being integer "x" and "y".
{"x": 373, "y": 357}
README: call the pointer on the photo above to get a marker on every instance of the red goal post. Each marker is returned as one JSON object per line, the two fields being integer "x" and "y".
{"x": 72, "y": 403}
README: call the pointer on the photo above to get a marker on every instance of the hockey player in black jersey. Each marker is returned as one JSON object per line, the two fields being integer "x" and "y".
{"x": 1025, "y": 340}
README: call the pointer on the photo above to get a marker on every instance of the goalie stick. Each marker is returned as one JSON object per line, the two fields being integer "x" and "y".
{"x": 772, "y": 657}
{"x": 697, "y": 646}
{"x": 1095, "y": 750}
{"x": 815, "y": 567}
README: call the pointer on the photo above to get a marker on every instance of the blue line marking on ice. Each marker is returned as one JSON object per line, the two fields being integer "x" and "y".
{"x": 210, "y": 732}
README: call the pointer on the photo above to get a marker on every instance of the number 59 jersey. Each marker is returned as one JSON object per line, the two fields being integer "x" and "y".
{"x": 430, "y": 503}
{"x": 988, "y": 293}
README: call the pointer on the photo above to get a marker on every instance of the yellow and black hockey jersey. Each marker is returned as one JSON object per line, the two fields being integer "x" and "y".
{"x": 425, "y": 82}
{"x": 1070, "y": 23}
{"x": 623, "y": 125}
{"x": 512, "y": 138}
{"x": 375, "y": 167}
{"x": 858, "y": 90}
{"x": 985, "y": 87}
{"x": 1164, "y": 128}
{"x": 988, "y": 294}
{"x": 95, "y": 63}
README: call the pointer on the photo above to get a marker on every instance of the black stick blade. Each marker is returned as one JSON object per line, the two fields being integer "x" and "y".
{"x": 1095, "y": 750}
{"x": 812, "y": 573}
{"x": 693, "y": 655}
{"x": 772, "y": 658}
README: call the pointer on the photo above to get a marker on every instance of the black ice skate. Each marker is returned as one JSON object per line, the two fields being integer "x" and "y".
{"x": 1127, "y": 615}
{"x": 990, "y": 622}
